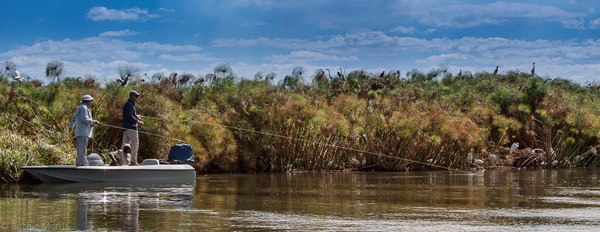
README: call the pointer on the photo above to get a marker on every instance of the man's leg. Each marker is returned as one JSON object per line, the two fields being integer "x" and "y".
{"x": 81, "y": 159}
{"x": 126, "y": 139}
{"x": 133, "y": 140}
{"x": 135, "y": 146}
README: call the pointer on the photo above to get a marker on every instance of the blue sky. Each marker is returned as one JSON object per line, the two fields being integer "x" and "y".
{"x": 95, "y": 37}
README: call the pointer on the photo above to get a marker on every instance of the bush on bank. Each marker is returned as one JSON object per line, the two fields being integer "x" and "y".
{"x": 388, "y": 122}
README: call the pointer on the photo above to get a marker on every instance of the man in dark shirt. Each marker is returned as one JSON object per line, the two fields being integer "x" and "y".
{"x": 131, "y": 120}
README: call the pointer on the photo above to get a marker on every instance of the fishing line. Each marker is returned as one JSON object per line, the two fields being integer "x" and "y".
{"x": 143, "y": 132}
{"x": 308, "y": 141}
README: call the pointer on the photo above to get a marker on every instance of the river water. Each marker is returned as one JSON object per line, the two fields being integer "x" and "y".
{"x": 491, "y": 200}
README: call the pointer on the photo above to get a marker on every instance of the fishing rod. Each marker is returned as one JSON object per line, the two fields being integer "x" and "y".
{"x": 143, "y": 132}
{"x": 309, "y": 141}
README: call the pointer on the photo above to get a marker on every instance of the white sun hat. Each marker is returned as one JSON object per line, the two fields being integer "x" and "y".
{"x": 87, "y": 98}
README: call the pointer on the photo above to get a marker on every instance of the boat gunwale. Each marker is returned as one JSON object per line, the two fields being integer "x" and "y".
{"x": 173, "y": 167}
{"x": 144, "y": 173}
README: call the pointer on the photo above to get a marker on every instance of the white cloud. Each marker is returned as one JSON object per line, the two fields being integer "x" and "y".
{"x": 89, "y": 48}
{"x": 99, "y": 56}
{"x": 574, "y": 23}
{"x": 430, "y": 30}
{"x": 308, "y": 57}
{"x": 379, "y": 44}
{"x": 261, "y": 41}
{"x": 497, "y": 13}
{"x": 35, "y": 66}
{"x": 595, "y": 24}
{"x": 578, "y": 72}
{"x": 369, "y": 38}
{"x": 98, "y": 68}
{"x": 153, "y": 47}
{"x": 187, "y": 57}
{"x": 466, "y": 51}
{"x": 444, "y": 58}
{"x": 126, "y": 32}
{"x": 246, "y": 70}
{"x": 31, "y": 65}
{"x": 371, "y": 43}
{"x": 167, "y": 10}
{"x": 96, "y": 48}
{"x": 404, "y": 30}
{"x": 101, "y": 13}
{"x": 508, "y": 51}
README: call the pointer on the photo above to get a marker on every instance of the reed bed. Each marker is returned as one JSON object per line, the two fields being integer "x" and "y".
{"x": 361, "y": 121}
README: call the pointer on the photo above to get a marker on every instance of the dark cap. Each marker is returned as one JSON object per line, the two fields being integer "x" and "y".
{"x": 134, "y": 93}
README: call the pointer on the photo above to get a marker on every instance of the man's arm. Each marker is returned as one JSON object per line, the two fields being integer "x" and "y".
{"x": 73, "y": 119}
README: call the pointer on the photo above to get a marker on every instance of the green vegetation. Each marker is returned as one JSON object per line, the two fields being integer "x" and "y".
{"x": 434, "y": 118}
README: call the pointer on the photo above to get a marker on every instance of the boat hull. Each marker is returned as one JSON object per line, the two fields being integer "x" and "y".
{"x": 150, "y": 173}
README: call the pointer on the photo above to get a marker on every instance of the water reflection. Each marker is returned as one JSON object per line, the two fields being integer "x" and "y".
{"x": 497, "y": 200}
{"x": 431, "y": 201}
{"x": 102, "y": 206}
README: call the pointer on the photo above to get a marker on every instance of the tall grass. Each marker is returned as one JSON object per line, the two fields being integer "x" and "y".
{"x": 17, "y": 151}
{"x": 388, "y": 122}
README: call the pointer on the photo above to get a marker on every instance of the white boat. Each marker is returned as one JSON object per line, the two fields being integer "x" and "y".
{"x": 138, "y": 173}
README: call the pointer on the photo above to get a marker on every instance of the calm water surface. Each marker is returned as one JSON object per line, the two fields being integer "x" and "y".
{"x": 526, "y": 200}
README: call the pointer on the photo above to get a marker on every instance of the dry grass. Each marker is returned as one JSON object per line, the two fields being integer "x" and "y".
{"x": 420, "y": 118}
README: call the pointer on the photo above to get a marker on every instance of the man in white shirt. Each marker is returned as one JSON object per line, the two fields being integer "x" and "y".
{"x": 84, "y": 127}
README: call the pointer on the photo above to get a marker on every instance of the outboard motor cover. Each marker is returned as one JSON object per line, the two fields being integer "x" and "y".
{"x": 181, "y": 153}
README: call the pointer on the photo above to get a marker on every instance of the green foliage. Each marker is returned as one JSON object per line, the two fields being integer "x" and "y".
{"x": 506, "y": 97}
{"x": 17, "y": 151}
{"x": 535, "y": 93}
{"x": 291, "y": 82}
{"x": 390, "y": 123}
{"x": 418, "y": 76}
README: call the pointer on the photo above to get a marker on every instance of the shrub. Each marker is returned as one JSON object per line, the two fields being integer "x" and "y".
{"x": 17, "y": 151}
{"x": 506, "y": 97}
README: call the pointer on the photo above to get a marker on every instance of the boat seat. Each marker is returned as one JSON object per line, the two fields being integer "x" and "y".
{"x": 95, "y": 160}
{"x": 150, "y": 162}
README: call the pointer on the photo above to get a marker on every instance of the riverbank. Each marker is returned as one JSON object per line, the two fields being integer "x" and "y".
{"x": 355, "y": 121}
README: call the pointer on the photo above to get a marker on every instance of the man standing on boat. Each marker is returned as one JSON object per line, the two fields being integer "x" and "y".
{"x": 84, "y": 127}
{"x": 130, "y": 125}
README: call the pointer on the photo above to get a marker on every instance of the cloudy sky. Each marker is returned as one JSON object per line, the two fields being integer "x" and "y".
{"x": 95, "y": 37}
